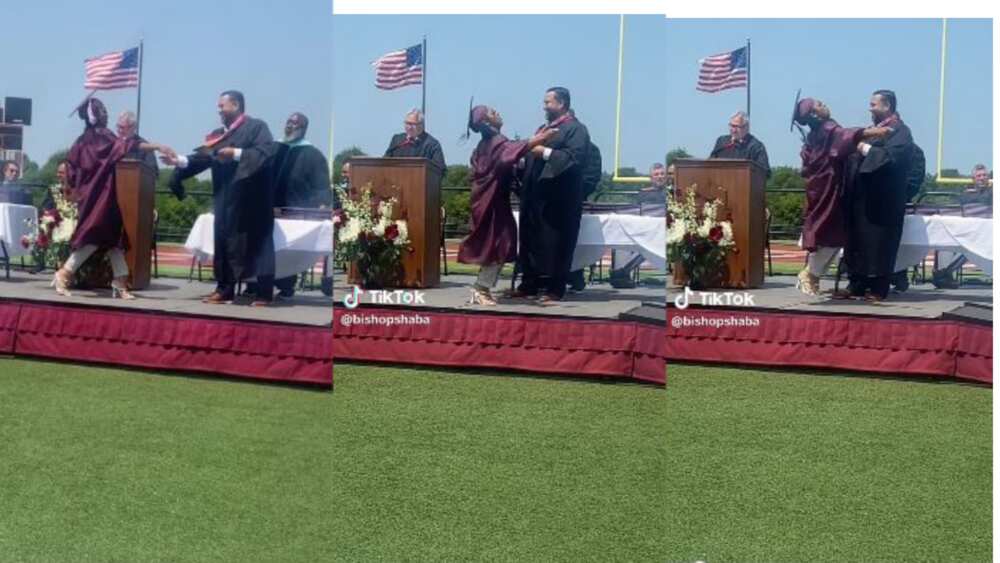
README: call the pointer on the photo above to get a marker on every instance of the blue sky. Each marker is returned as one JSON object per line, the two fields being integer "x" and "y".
{"x": 279, "y": 58}
{"x": 506, "y": 62}
{"x": 304, "y": 59}
{"x": 840, "y": 62}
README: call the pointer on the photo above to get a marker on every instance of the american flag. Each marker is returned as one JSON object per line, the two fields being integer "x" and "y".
{"x": 399, "y": 68}
{"x": 723, "y": 71}
{"x": 119, "y": 69}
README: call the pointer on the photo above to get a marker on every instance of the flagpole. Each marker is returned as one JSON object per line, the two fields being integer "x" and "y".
{"x": 423, "y": 81}
{"x": 138, "y": 102}
{"x": 748, "y": 77}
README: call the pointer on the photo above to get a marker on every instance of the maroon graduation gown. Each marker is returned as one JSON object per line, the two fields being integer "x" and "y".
{"x": 824, "y": 158}
{"x": 493, "y": 238}
{"x": 92, "y": 160}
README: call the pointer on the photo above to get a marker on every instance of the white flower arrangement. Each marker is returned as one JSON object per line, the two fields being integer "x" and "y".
{"x": 369, "y": 236}
{"x": 696, "y": 238}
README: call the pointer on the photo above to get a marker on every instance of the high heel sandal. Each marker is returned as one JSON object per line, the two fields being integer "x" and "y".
{"x": 807, "y": 283}
{"x": 481, "y": 297}
{"x": 121, "y": 292}
{"x": 61, "y": 284}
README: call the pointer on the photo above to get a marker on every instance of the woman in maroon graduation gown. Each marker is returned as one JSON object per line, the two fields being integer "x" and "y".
{"x": 824, "y": 158}
{"x": 492, "y": 240}
{"x": 92, "y": 160}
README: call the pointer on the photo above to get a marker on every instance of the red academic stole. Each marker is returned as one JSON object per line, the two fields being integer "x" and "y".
{"x": 213, "y": 139}
{"x": 734, "y": 143}
{"x": 563, "y": 119}
{"x": 891, "y": 122}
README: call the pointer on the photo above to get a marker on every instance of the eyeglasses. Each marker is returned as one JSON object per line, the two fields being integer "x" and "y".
{"x": 411, "y": 123}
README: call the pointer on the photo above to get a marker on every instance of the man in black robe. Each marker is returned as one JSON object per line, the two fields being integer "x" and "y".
{"x": 416, "y": 142}
{"x": 875, "y": 200}
{"x": 739, "y": 143}
{"x": 301, "y": 179}
{"x": 243, "y": 202}
{"x": 552, "y": 201}
{"x": 127, "y": 127}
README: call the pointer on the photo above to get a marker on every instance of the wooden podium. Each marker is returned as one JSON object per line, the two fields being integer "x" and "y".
{"x": 417, "y": 187}
{"x": 135, "y": 187}
{"x": 739, "y": 185}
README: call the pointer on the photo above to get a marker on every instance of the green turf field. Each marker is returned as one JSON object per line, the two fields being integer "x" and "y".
{"x": 403, "y": 464}
{"x": 394, "y": 464}
{"x": 777, "y": 466}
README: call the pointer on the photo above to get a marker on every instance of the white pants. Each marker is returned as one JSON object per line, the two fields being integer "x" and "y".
{"x": 80, "y": 255}
{"x": 488, "y": 276}
{"x": 819, "y": 261}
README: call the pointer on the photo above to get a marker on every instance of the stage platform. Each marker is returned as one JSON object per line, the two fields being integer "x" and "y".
{"x": 919, "y": 301}
{"x": 172, "y": 295}
{"x": 167, "y": 327}
{"x": 599, "y": 332}
{"x": 921, "y": 332}
{"x": 600, "y": 301}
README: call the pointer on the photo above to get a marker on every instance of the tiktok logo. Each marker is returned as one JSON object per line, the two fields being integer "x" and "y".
{"x": 682, "y": 300}
{"x": 351, "y": 299}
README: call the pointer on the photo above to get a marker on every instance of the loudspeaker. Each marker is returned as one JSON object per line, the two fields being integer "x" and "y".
{"x": 10, "y": 138}
{"x": 18, "y": 110}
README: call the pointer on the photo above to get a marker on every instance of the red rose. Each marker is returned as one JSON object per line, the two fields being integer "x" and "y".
{"x": 715, "y": 234}
{"x": 25, "y": 241}
{"x": 392, "y": 232}
{"x": 42, "y": 241}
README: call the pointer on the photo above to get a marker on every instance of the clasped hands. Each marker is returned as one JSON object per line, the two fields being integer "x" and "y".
{"x": 169, "y": 157}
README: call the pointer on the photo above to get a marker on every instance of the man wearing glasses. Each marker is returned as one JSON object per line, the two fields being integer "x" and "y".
{"x": 739, "y": 143}
{"x": 415, "y": 142}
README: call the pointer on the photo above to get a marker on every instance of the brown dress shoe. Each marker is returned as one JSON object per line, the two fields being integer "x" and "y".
{"x": 549, "y": 299}
{"x": 217, "y": 298}
{"x": 518, "y": 294}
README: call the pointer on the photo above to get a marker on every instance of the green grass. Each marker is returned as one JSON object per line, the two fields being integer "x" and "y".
{"x": 773, "y": 466}
{"x": 104, "y": 464}
{"x": 405, "y": 464}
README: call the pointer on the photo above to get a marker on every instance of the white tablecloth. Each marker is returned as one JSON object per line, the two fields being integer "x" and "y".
{"x": 13, "y": 226}
{"x": 970, "y": 236}
{"x": 298, "y": 243}
{"x": 599, "y": 233}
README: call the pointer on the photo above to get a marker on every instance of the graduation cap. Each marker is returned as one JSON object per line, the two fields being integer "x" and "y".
{"x": 82, "y": 104}
{"x": 795, "y": 114}
{"x": 468, "y": 122}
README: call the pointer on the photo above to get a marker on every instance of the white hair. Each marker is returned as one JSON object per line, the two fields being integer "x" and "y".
{"x": 744, "y": 118}
{"x": 128, "y": 117}
{"x": 417, "y": 113}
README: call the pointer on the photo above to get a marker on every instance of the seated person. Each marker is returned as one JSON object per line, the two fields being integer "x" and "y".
{"x": 977, "y": 201}
{"x": 652, "y": 203}
{"x": 10, "y": 189}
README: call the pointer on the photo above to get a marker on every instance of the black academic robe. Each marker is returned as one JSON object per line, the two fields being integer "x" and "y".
{"x": 424, "y": 146}
{"x": 301, "y": 176}
{"x": 243, "y": 203}
{"x": 551, "y": 207}
{"x": 147, "y": 157}
{"x": 749, "y": 149}
{"x": 875, "y": 200}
